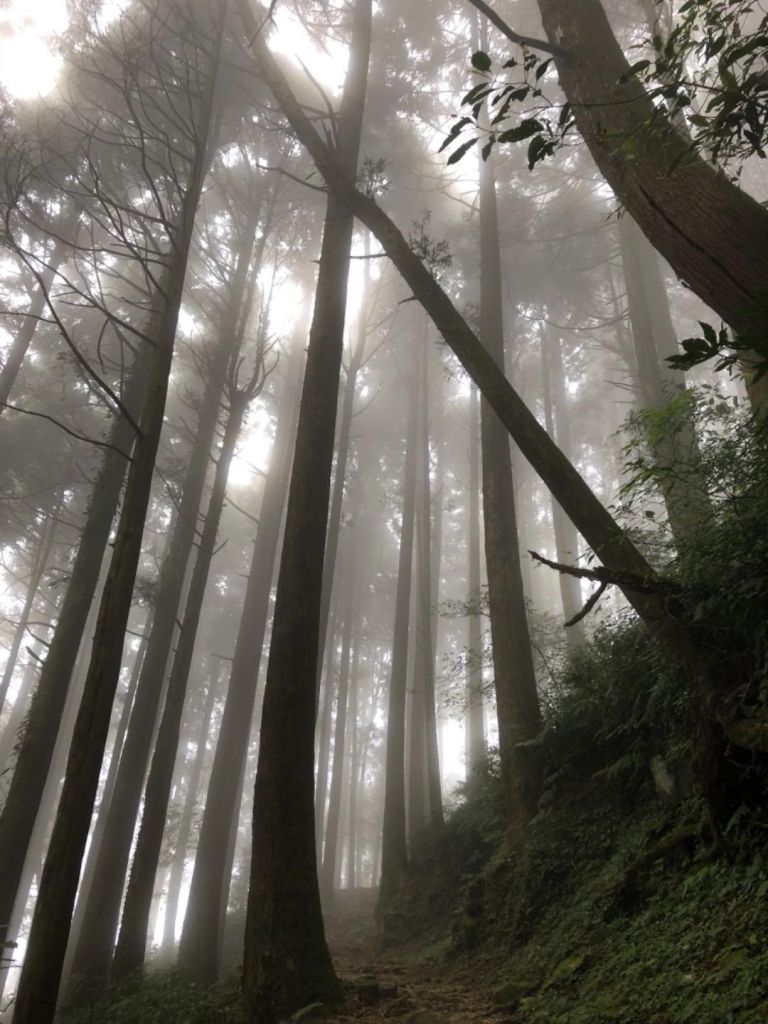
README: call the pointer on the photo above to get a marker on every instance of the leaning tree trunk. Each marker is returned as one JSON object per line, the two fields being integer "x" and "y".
{"x": 93, "y": 951}
{"x": 132, "y": 938}
{"x": 394, "y": 850}
{"x": 714, "y": 235}
{"x": 199, "y": 948}
{"x": 42, "y": 726}
{"x": 287, "y": 963}
{"x": 517, "y": 703}
{"x": 40, "y": 976}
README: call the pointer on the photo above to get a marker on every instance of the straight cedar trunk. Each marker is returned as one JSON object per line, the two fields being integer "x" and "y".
{"x": 325, "y": 728}
{"x": 132, "y": 938}
{"x": 287, "y": 964}
{"x": 713, "y": 235}
{"x": 558, "y": 428}
{"x": 354, "y": 758}
{"x": 176, "y": 875}
{"x": 330, "y": 848}
{"x": 332, "y": 542}
{"x": 517, "y": 703}
{"x": 394, "y": 849}
{"x": 674, "y": 450}
{"x": 20, "y": 345}
{"x": 97, "y": 835}
{"x": 474, "y": 725}
{"x": 38, "y": 741}
{"x": 40, "y": 976}
{"x": 93, "y": 951}
{"x": 199, "y": 949}
{"x": 426, "y": 597}
{"x": 39, "y": 563}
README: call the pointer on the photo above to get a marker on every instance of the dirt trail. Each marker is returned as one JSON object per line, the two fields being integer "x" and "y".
{"x": 391, "y": 985}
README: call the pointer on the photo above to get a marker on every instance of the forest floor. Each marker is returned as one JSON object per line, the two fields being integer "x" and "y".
{"x": 410, "y": 985}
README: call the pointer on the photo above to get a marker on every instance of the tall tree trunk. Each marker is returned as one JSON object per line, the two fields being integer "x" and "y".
{"x": 426, "y": 597}
{"x": 714, "y": 235}
{"x": 132, "y": 938}
{"x": 40, "y": 976}
{"x": 39, "y": 563}
{"x": 517, "y": 703}
{"x": 330, "y": 849}
{"x": 394, "y": 851}
{"x": 97, "y": 835}
{"x": 324, "y": 730}
{"x": 354, "y": 766}
{"x": 474, "y": 726}
{"x": 287, "y": 963}
{"x": 610, "y": 543}
{"x": 186, "y": 819}
{"x": 566, "y": 537}
{"x": 674, "y": 449}
{"x": 39, "y": 737}
{"x": 93, "y": 953}
{"x": 198, "y": 950}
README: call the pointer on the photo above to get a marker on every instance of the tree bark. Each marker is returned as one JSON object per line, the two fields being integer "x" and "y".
{"x": 198, "y": 950}
{"x": 394, "y": 850}
{"x": 474, "y": 726}
{"x": 287, "y": 963}
{"x": 132, "y": 938}
{"x": 93, "y": 952}
{"x": 40, "y": 976}
{"x": 517, "y": 703}
{"x": 714, "y": 235}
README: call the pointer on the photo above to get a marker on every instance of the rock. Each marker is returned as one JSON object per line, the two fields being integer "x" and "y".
{"x": 511, "y": 992}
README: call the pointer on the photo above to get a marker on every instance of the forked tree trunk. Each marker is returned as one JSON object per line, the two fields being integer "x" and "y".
{"x": 287, "y": 963}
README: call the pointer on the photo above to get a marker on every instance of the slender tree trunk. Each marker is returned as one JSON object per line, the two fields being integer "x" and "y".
{"x": 426, "y": 597}
{"x": 40, "y": 976}
{"x": 93, "y": 953}
{"x": 187, "y": 817}
{"x": 287, "y": 963}
{"x": 330, "y": 850}
{"x": 517, "y": 702}
{"x": 97, "y": 834}
{"x": 674, "y": 449}
{"x": 566, "y": 537}
{"x": 714, "y": 235}
{"x": 198, "y": 950}
{"x": 354, "y": 766}
{"x": 39, "y": 563}
{"x": 325, "y": 729}
{"x": 474, "y": 727}
{"x": 132, "y": 938}
{"x": 39, "y": 737}
{"x": 20, "y": 345}
{"x": 394, "y": 852}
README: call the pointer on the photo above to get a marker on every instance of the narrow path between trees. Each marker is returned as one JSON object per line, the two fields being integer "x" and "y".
{"x": 403, "y": 985}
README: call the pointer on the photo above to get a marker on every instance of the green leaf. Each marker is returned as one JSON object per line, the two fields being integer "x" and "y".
{"x": 457, "y": 154}
{"x": 523, "y": 131}
{"x": 481, "y": 61}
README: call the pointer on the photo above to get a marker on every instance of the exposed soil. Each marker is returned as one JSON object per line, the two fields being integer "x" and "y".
{"x": 399, "y": 985}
